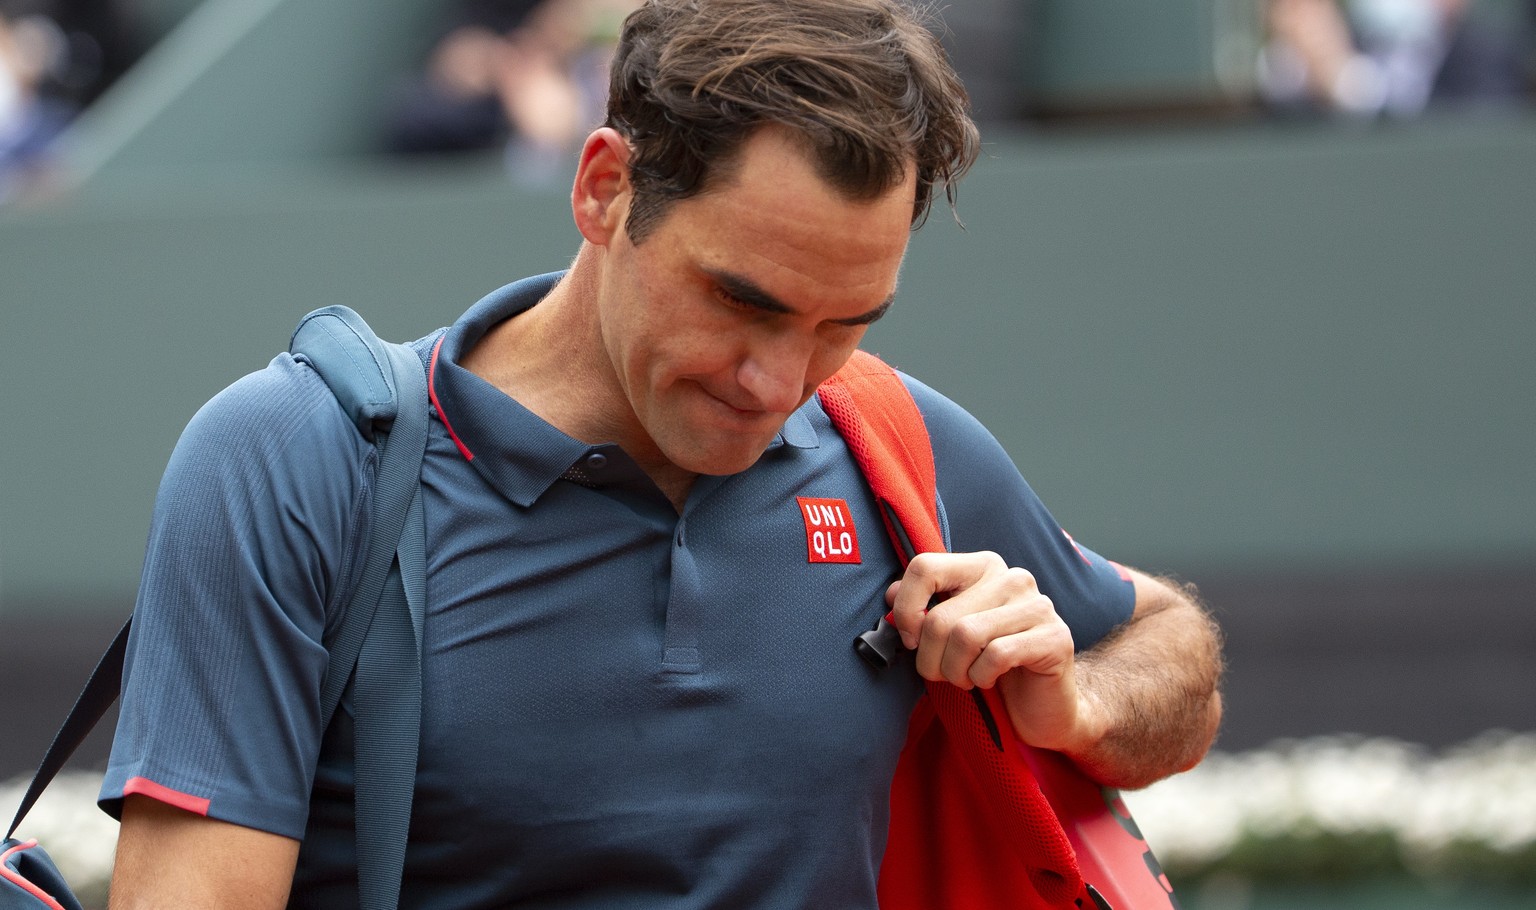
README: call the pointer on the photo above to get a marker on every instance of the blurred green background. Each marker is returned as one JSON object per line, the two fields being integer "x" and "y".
{"x": 1290, "y": 361}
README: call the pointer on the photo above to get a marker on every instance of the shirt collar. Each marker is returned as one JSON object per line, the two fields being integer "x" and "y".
{"x": 514, "y": 449}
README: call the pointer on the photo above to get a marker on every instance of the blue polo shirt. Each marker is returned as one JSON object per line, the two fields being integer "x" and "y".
{"x": 623, "y": 706}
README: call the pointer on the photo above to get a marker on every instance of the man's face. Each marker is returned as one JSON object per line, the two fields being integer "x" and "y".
{"x": 742, "y": 300}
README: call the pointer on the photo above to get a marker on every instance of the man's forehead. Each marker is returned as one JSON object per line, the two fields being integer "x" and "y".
{"x": 747, "y": 158}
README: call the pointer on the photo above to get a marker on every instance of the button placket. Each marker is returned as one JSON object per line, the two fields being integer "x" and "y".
{"x": 689, "y": 604}
{"x": 680, "y": 644}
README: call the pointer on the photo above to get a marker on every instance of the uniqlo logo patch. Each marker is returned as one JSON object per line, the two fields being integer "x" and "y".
{"x": 829, "y": 532}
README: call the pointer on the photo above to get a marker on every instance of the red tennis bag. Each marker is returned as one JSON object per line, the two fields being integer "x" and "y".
{"x": 979, "y": 821}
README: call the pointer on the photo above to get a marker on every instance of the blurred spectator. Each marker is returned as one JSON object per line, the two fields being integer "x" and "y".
{"x": 55, "y": 58}
{"x": 987, "y": 41}
{"x": 102, "y": 39}
{"x": 529, "y": 75}
{"x": 31, "y": 46}
{"x": 1392, "y": 57}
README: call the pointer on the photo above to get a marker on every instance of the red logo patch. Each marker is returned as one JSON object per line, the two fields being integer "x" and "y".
{"x": 829, "y": 532}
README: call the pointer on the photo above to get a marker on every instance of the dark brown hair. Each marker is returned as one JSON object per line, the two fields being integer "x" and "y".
{"x": 863, "y": 82}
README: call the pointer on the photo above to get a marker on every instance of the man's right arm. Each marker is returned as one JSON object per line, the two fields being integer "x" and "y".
{"x": 171, "y": 858}
{"x": 221, "y": 689}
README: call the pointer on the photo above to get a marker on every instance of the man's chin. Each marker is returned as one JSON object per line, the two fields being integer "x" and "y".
{"x": 723, "y": 461}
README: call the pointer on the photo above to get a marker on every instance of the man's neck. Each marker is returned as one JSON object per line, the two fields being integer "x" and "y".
{"x": 550, "y": 358}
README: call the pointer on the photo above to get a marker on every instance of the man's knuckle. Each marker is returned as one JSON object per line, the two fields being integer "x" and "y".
{"x": 923, "y": 565}
{"x": 1019, "y": 581}
{"x": 971, "y": 632}
{"x": 1056, "y": 640}
{"x": 1010, "y": 651}
{"x": 940, "y": 623}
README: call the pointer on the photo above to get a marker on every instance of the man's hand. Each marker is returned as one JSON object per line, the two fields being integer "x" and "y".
{"x": 1137, "y": 707}
{"x": 992, "y": 626}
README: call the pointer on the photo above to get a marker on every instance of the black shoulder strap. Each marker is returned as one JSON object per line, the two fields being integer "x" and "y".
{"x": 100, "y": 692}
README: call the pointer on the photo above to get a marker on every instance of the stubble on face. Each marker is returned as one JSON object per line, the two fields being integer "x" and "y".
{"x": 708, "y": 373}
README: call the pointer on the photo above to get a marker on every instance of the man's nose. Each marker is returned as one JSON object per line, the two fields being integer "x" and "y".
{"x": 774, "y": 373}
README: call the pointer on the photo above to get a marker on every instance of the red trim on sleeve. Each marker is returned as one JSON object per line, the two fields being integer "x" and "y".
{"x": 432, "y": 394}
{"x": 143, "y": 786}
{"x": 11, "y": 875}
{"x": 1125, "y": 574}
{"x": 1079, "y": 550}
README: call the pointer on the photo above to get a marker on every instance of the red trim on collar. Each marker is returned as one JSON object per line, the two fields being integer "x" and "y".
{"x": 432, "y": 394}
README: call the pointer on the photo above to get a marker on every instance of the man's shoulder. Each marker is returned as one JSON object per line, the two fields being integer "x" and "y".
{"x": 948, "y": 424}
{"x": 944, "y": 416}
{"x": 286, "y": 391}
{"x": 283, "y": 414}
{"x": 966, "y": 453}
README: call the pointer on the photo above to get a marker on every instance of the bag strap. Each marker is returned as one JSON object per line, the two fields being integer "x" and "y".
{"x": 877, "y": 418}
{"x": 100, "y": 692}
{"x": 369, "y": 378}
{"x": 1034, "y": 798}
{"x": 383, "y": 388}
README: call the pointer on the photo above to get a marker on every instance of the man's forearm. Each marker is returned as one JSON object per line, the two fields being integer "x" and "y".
{"x": 171, "y": 858}
{"x": 1154, "y": 686}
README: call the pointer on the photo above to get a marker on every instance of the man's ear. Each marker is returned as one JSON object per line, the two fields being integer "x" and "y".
{"x": 601, "y": 194}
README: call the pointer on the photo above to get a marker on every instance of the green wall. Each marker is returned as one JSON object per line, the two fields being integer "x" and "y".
{"x": 121, "y": 314}
{"x": 1217, "y": 350}
{"x": 1229, "y": 349}
{"x": 254, "y": 83}
{"x": 1253, "y": 346}
{"x": 1118, "y": 54}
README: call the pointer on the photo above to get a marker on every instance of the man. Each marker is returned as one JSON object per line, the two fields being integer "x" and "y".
{"x": 639, "y": 688}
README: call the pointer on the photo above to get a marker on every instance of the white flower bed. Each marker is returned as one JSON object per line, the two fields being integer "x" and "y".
{"x": 1482, "y": 793}
{"x": 66, "y": 823}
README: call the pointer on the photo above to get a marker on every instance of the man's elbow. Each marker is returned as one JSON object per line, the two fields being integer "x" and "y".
{"x": 1200, "y": 745}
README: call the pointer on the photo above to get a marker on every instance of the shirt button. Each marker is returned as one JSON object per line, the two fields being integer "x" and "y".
{"x": 597, "y": 461}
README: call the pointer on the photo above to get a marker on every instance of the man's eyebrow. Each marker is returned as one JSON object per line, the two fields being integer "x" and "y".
{"x": 752, "y": 295}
